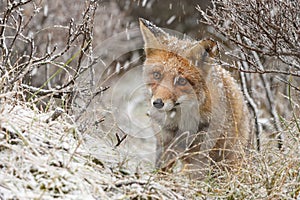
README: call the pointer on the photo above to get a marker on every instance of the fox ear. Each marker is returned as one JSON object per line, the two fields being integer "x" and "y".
{"x": 210, "y": 46}
{"x": 200, "y": 53}
{"x": 203, "y": 50}
{"x": 152, "y": 35}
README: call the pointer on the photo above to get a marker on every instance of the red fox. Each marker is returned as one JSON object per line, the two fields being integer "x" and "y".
{"x": 199, "y": 107}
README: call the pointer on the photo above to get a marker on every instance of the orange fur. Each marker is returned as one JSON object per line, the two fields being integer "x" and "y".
{"x": 198, "y": 105}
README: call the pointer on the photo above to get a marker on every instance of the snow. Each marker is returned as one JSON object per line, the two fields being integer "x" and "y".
{"x": 118, "y": 67}
{"x": 173, "y": 113}
{"x": 171, "y": 19}
{"x": 144, "y": 2}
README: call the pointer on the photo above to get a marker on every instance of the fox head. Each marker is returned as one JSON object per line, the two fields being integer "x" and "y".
{"x": 176, "y": 70}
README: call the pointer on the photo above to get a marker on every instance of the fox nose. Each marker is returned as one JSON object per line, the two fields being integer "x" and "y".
{"x": 158, "y": 103}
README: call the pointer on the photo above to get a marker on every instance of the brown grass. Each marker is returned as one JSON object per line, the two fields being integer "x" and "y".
{"x": 41, "y": 160}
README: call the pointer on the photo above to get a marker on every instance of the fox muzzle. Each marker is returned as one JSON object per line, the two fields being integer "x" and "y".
{"x": 158, "y": 103}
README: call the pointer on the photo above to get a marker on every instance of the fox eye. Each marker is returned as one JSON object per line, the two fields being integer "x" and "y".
{"x": 156, "y": 75}
{"x": 181, "y": 81}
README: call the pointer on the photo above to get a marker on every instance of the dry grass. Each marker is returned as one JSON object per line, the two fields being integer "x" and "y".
{"x": 46, "y": 158}
{"x": 41, "y": 160}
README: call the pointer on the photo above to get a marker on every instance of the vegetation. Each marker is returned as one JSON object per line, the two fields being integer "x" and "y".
{"x": 62, "y": 72}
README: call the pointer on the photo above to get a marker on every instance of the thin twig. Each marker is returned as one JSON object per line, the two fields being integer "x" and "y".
{"x": 120, "y": 140}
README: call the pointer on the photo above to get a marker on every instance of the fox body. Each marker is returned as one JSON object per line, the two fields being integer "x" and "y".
{"x": 197, "y": 104}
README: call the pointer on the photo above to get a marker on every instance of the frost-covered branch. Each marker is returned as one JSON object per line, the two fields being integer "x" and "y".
{"x": 32, "y": 54}
{"x": 264, "y": 37}
{"x": 272, "y": 27}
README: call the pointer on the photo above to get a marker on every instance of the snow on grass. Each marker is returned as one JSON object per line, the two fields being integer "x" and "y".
{"x": 40, "y": 160}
